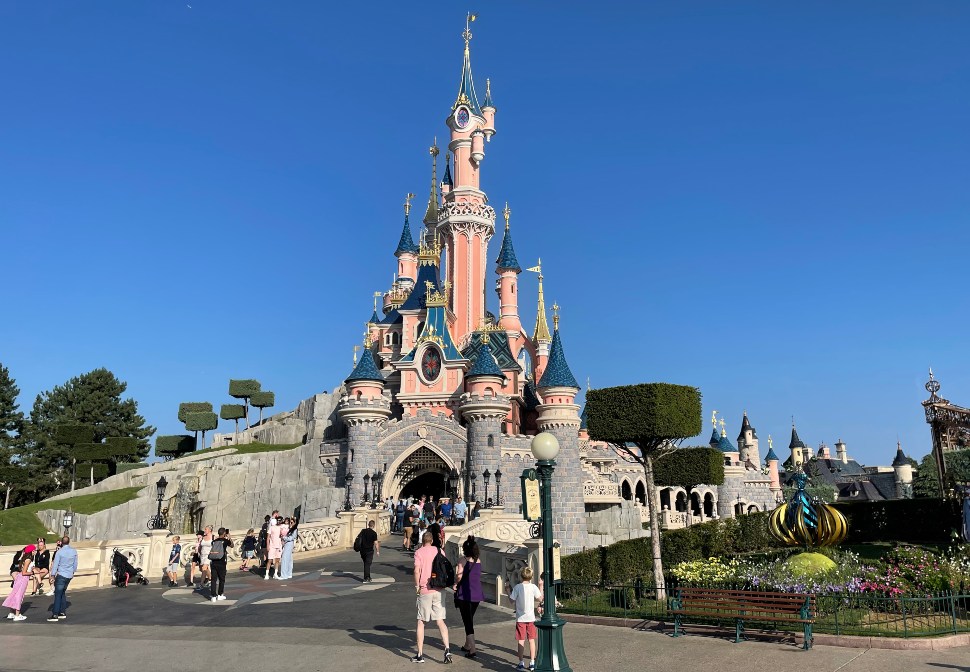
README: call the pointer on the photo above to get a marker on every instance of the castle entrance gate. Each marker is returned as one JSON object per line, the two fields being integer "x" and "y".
{"x": 423, "y": 472}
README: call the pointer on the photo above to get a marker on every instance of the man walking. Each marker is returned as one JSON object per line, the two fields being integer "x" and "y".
{"x": 368, "y": 546}
{"x": 460, "y": 511}
{"x": 65, "y": 564}
{"x": 430, "y": 606}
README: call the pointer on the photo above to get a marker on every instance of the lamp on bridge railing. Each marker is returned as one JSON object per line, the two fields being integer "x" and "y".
{"x": 471, "y": 476}
{"x": 366, "y": 498}
{"x": 376, "y": 494}
{"x": 498, "y": 486}
{"x": 348, "y": 479}
{"x": 486, "y": 475}
{"x": 453, "y": 479}
{"x": 68, "y": 521}
{"x": 158, "y": 522}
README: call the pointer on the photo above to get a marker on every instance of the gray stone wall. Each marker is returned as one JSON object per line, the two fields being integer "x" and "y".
{"x": 569, "y": 510}
{"x": 618, "y": 522}
{"x": 363, "y": 455}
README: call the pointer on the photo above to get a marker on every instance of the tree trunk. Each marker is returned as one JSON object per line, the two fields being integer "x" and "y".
{"x": 658, "y": 568}
{"x": 260, "y": 415}
{"x": 203, "y": 439}
{"x": 6, "y": 502}
{"x": 246, "y": 400}
{"x": 197, "y": 440}
{"x": 92, "y": 474}
{"x": 235, "y": 438}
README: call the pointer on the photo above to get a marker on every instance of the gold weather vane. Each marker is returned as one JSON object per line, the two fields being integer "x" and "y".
{"x": 356, "y": 350}
{"x": 714, "y": 419}
{"x": 507, "y": 213}
{"x": 555, "y": 316}
{"x": 469, "y": 20}
{"x": 407, "y": 204}
{"x": 723, "y": 432}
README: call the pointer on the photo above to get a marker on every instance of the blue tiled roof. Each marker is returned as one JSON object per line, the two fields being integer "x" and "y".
{"x": 446, "y": 178}
{"x": 366, "y": 369}
{"x": 436, "y": 318}
{"x": 900, "y": 459}
{"x": 392, "y": 317}
{"x": 582, "y": 418}
{"x": 416, "y": 299}
{"x": 406, "y": 244}
{"x": 466, "y": 89}
{"x": 485, "y": 364}
{"x": 715, "y": 438}
{"x": 374, "y": 319}
{"x": 488, "y": 97}
{"x": 498, "y": 343}
{"x": 557, "y": 373}
{"x": 506, "y": 256}
{"x": 725, "y": 445}
{"x": 771, "y": 455}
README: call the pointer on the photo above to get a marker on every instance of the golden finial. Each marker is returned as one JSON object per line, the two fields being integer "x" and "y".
{"x": 723, "y": 432}
{"x": 487, "y": 328}
{"x": 377, "y": 295}
{"x": 467, "y": 35}
{"x": 555, "y": 316}
{"x": 407, "y": 204}
{"x": 770, "y": 443}
{"x": 507, "y": 213}
{"x": 429, "y": 254}
{"x": 588, "y": 388}
{"x": 433, "y": 297}
{"x": 433, "y": 150}
{"x": 714, "y": 419}
{"x": 488, "y": 88}
{"x": 356, "y": 350}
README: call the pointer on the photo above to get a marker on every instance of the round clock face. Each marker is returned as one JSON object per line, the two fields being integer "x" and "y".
{"x": 431, "y": 364}
{"x": 461, "y": 117}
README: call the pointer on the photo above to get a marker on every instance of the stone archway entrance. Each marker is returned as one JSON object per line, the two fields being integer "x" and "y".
{"x": 423, "y": 472}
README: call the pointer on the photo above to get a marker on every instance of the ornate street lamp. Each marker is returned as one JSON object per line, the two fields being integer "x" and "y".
{"x": 473, "y": 497}
{"x": 366, "y": 497}
{"x": 158, "y": 522}
{"x": 498, "y": 487}
{"x": 453, "y": 479}
{"x": 68, "y": 521}
{"x": 552, "y": 654}
{"x": 348, "y": 479}
{"x": 376, "y": 491}
{"x": 486, "y": 475}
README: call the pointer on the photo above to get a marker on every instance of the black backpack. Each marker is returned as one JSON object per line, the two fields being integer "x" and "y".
{"x": 218, "y": 550}
{"x": 17, "y": 558}
{"x": 400, "y": 509}
{"x": 442, "y": 572}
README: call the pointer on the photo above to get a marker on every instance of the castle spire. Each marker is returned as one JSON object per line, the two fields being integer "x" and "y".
{"x": 406, "y": 244}
{"x": 431, "y": 214}
{"x": 488, "y": 94}
{"x": 506, "y": 256}
{"x": 557, "y": 373}
{"x": 466, "y": 89}
{"x": 541, "y": 333}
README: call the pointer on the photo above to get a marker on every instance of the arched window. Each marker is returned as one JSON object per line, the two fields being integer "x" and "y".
{"x": 489, "y": 392}
{"x": 359, "y": 395}
{"x": 491, "y": 441}
{"x": 641, "y": 493}
{"x": 695, "y": 504}
{"x": 626, "y": 491}
{"x": 708, "y": 505}
{"x": 681, "y": 502}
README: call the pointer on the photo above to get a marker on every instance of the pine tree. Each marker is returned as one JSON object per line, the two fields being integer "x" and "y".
{"x": 93, "y": 399}
{"x": 12, "y": 474}
{"x": 926, "y": 481}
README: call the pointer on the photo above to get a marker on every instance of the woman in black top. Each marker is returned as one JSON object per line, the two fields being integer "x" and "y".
{"x": 42, "y": 565}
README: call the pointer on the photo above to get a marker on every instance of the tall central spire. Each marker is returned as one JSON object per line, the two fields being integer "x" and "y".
{"x": 431, "y": 214}
{"x": 541, "y": 333}
{"x": 466, "y": 89}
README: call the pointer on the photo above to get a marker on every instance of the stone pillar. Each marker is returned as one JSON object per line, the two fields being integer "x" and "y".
{"x": 158, "y": 550}
{"x": 484, "y": 415}
{"x": 365, "y": 419}
{"x": 569, "y": 511}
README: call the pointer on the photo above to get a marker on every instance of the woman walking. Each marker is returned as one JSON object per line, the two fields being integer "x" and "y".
{"x": 468, "y": 591}
{"x": 274, "y": 548}
{"x": 286, "y": 557}
{"x": 21, "y": 579}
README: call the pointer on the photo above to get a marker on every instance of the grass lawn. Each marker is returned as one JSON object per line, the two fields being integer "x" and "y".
{"x": 20, "y": 525}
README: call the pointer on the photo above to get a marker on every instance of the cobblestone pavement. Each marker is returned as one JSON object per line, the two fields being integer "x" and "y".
{"x": 325, "y": 619}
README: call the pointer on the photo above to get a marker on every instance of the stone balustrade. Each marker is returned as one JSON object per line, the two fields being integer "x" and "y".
{"x": 151, "y": 552}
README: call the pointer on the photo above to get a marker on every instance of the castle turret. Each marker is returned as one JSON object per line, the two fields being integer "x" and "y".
{"x": 406, "y": 252}
{"x": 488, "y": 111}
{"x": 799, "y": 451}
{"x": 731, "y": 453}
{"x": 508, "y": 269}
{"x": 484, "y": 408}
{"x": 559, "y": 416}
{"x": 365, "y": 410}
{"x": 541, "y": 338}
{"x": 823, "y": 452}
{"x": 748, "y": 442}
{"x": 841, "y": 453}
{"x": 904, "y": 474}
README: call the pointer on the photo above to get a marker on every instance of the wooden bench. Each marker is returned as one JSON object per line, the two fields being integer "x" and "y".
{"x": 743, "y": 606}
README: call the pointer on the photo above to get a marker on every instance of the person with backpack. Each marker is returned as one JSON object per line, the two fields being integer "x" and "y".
{"x": 367, "y": 544}
{"x": 468, "y": 591}
{"x": 218, "y": 557}
{"x": 399, "y": 512}
{"x": 432, "y": 573}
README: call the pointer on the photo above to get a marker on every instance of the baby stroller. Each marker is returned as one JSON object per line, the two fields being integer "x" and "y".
{"x": 125, "y": 572}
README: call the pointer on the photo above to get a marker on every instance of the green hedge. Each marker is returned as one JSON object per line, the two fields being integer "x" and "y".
{"x": 689, "y": 467}
{"x": 84, "y": 470}
{"x": 201, "y": 421}
{"x": 174, "y": 446}
{"x": 91, "y": 452}
{"x": 243, "y": 389}
{"x": 906, "y": 520}
{"x": 232, "y": 412}
{"x": 193, "y": 407}
{"x": 263, "y": 399}
{"x": 643, "y": 413}
{"x": 122, "y": 446}
{"x": 73, "y": 434}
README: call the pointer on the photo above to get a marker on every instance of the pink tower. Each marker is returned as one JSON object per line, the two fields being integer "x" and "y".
{"x": 508, "y": 269}
{"x": 466, "y": 222}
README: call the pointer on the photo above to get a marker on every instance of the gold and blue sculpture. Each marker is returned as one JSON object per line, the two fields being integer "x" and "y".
{"x": 807, "y": 522}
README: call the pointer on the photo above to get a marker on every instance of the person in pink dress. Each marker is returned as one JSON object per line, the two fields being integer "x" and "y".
{"x": 21, "y": 579}
{"x": 274, "y": 547}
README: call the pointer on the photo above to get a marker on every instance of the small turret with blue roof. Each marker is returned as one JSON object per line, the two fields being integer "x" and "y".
{"x": 406, "y": 245}
{"x": 506, "y": 257}
{"x": 771, "y": 454}
{"x": 366, "y": 369}
{"x": 557, "y": 373}
{"x": 485, "y": 364}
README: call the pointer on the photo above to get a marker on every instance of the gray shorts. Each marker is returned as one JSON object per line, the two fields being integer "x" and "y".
{"x": 430, "y": 607}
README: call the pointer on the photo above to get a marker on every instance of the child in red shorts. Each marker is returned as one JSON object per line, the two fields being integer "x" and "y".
{"x": 526, "y": 595}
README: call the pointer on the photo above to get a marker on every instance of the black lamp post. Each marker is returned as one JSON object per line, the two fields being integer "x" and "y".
{"x": 68, "y": 521}
{"x": 348, "y": 479}
{"x": 471, "y": 484}
{"x": 486, "y": 475}
{"x": 366, "y": 497}
{"x": 453, "y": 479}
{"x": 158, "y": 522}
{"x": 498, "y": 487}
{"x": 552, "y": 654}
{"x": 376, "y": 490}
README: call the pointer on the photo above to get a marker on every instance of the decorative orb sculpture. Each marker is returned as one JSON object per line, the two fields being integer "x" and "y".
{"x": 802, "y": 522}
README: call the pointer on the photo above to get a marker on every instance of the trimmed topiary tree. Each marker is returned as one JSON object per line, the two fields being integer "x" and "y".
{"x": 244, "y": 389}
{"x": 642, "y": 423}
{"x": 187, "y": 407}
{"x": 71, "y": 435}
{"x": 233, "y": 412}
{"x": 101, "y": 459}
{"x": 201, "y": 421}
{"x": 174, "y": 446}
{"x": 263, "y": 399}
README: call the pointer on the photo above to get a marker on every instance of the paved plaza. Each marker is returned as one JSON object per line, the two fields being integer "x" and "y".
{"x": 326, "y": 619}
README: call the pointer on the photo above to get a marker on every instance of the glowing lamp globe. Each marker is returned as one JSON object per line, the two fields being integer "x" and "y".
{"x": 545, "y": 446}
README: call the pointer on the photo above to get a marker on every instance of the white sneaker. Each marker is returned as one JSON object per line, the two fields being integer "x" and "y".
{"x": 213, "y": 599}
{"x": 10, "y": 616}
{"x": 20, "y": 617}
{"x": 266, "y": 576}
{"x": 50, "y": 593}
{"x": 220, "y": 597}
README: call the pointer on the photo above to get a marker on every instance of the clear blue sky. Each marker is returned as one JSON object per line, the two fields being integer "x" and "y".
{"x": 766, "y": 200}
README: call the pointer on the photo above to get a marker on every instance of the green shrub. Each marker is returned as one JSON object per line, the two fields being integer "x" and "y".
{"x": 174, "y": 446}
{"x": 232, "y": 411}
{"x": 193, "y": 407}
{"x": 643, "y": 413}
{"x": 201, "y": 421}
{"x": 263, "y": 399}
{"x": 84, "y": 470}
{"x": 244, "y": 388}
{"x": 72, "y": 435}
{"x": 689, "y": 467}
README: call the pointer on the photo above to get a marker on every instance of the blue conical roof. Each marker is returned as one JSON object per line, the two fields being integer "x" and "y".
{"x": 446, "y": 178}
{"x": 725, "y": 446}
{"x": 366, "y": 369}
{"x": 485, "y": 364}
{"x": 583, "y": 418}
{"x": 375, "y": 318}
{"x": 900, "y": 459}
{"x": 466, "y": 88}
{"x": 406, "y": 244}
{"x": 771, "y": 455}
{"x": 506, "y": 256}
{"x": 715, "y": 438}
{"x": 557, "y": 373}
{"x": 795, "y": 441}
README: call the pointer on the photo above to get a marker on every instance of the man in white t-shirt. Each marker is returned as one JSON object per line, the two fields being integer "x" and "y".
{"x": 525, "y": 595}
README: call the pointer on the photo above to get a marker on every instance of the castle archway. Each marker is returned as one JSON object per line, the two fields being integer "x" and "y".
{"x": 421, "y": 471}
